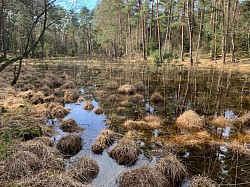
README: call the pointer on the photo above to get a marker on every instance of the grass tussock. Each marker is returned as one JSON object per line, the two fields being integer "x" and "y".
{"x": 12, "y": 102}
{"x": 69, "y": 145}
{"x": 113, "y": 98}
{"x": 88, "y": 106}
{"x": 199, "y": 181}
{"x": 98, "y": 111}
{"x": 70, "y": 125}
{"x": 71, "y": 96}
{"x": 137, "y": 125}
{"x": 245, "y": 119}
{"x": 20, "y": 164}
{"x": 125, "y": 152}
{"x": 68, "y": 85}
{"x": 26, "y": 94}
{"x": 84, "y": 170}
{"x": 136, "y": 98}
{"x": 190, "y": 121}
{"x": 58, "y": 111}
{"x": 239, "y": 148}
{"x": 144, "y": 176}
{"x": 220, "y": 122}
{"x": 37, "y": 98}
{"x": 103, "y": 141}
{"x": 49, "y": 156}
{"x": 156, "y": 98}
{"x": 44, "y": 139}
{"x": 112, "y": 85}
{"x": 50, "y": 179}
{"x": 153, "y": 121}
{"x": 126, "y": 89}
{"x": 172, "y": 169}
{"x": 139, "y": 86}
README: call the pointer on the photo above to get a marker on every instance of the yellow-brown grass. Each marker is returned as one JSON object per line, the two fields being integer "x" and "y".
{"x": 98, "y": 111}
{"x": 50, "y": 179}
{"x": 245, "y": 119}
{"x": 68, "y": 85}
{"x": 190, "y": 121}
{"x": 112, "y": 85}
{"x": 156, "y": 98}
{"x": 239, "y": 148}
{"x": 139, "y": 86}
{"x": 26, "y": 95}
{"x": 84, "y": 170}
{"x": 113, "y": 98}
{"x": 138, "y": 125}
{"x": 71, "y": 96}
{"x": 13, "y": 102}
{"x": 199, "y": 181}
{"x": 69, "y": 145}
{"x": 58, "y": 111}
{"x": 44, "y": 139}
{"x": 88, "y": 105}
{"x": 38, "y": 98}
{"x": 220, "y": 122}
{"x": 103, "y": 141}
{"x": 125, "y": 152}
{"x": 144, "y": 176}
{"x": 70, "y": 125}
{"x": 126, "y": 89}
{"x": 172, "y": 169}
{"x": 48, "y": 155}
{"x": 153, "y": 121}
{"x": 136, "y": 98}
{"x": 20, "y": 164}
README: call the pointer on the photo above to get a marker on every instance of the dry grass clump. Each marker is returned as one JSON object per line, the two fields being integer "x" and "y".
{"x": 27, "y": 87}
{"x": 125, "y": 152}
{"x": 69, "y": 145}
{"x": 68, "y": 85}
{"x": 50, "y": 179}
{"x": 112, "y": 85}
{"x": 144, "y": 176}
{"x": 49, "y": 156}
{"x": 26, "y": 95}
{"x": 156, "y": 98}
{"x": 46, "y": 90}
{"x": 44, "y": 139}
{"x": 199, "y": 181}
{"x": 81, "y": 99}
{"x": 103, "y": 141}
{"x": 20, "y": 164}
{"x": 49, "y": 99}
{"x": 113, "y": 98}
{"x": 239, "y": 148}
{"x": 126, "y": 89}
{"x": 38, "y": 98}
{"x": 220, "y": 122}
{"x": 136, "y": 98}
{"x": 84, "y": 170}
{"x": 125, "y": 103}
{"x": 70, "y": 125}
{"x": 101, "y": 93}
{"x": 139, "y": 86}
{"x": 153, "y": 121}
{"x": 138, "y": 125}
{"x": 71, "y": 96}
{"x": 58, "y": 111}
{"x": 172, "y": 169}
{"x": 88, "y": 105}
{"x": 98, "y": 111}
{"x": 190, "y": 121}
{"x": 245, "y": 119}
{"x": 195, "y": 139}
{"x": 12, "y": 102}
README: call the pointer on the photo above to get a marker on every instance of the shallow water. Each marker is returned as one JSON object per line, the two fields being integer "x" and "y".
{"x": 209, "y": 92}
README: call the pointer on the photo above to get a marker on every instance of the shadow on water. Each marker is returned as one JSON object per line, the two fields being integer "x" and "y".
{"x": 209, "y": 92}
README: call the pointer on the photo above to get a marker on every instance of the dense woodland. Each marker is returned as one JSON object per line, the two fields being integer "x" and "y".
{"x": 163, "y": 29}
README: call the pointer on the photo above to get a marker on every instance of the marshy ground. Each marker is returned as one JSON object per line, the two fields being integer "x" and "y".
{"x": 77, "y": 122}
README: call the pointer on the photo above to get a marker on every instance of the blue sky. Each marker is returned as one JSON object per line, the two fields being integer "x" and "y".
{"x": 77, "y": 4}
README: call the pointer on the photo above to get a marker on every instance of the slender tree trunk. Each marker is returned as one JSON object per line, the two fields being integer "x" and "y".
{"x": 190, "y": 28}
{"x": 143, "y": 31}
{"x": 158, "y": 30}
{"x": 151, "y": 20}
{"x": 182, "y": 30}
{"x": 3, "y": 30}
{"x": 215, "y": 29}
{"x": 200, "y": 33}
{"x": 233, "y": 31}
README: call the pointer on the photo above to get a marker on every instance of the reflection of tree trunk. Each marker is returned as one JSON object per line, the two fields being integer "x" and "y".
{"x": 210, "y": 92}
{"x": 218, "y": 94}
{"x": 187, "y": 88}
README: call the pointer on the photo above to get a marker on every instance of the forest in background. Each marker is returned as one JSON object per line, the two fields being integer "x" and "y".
{"x": 165, "y": 30}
